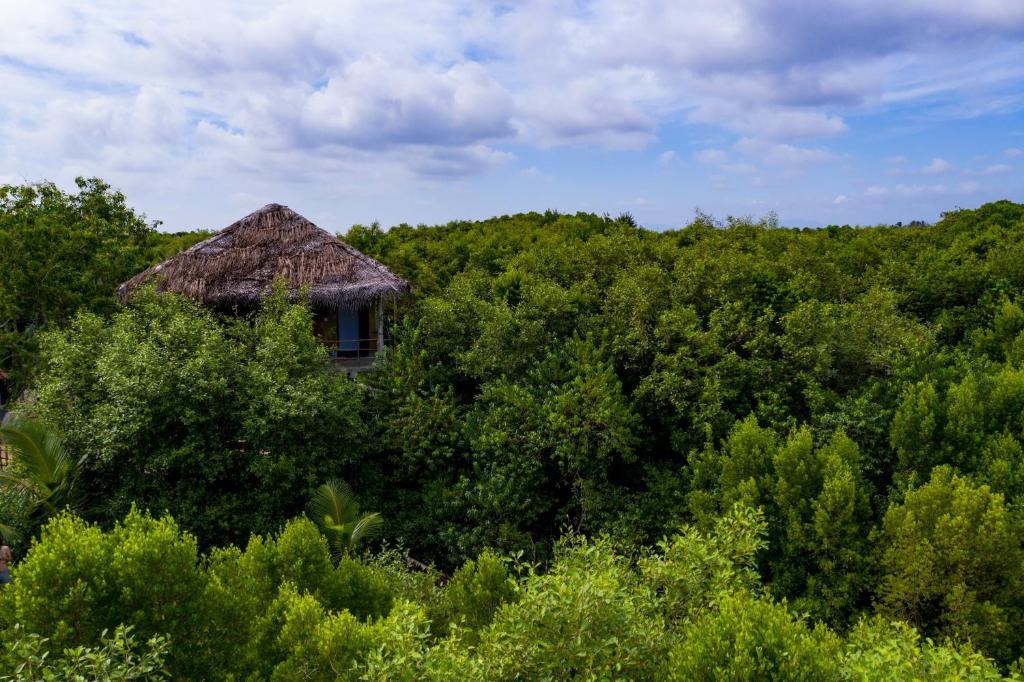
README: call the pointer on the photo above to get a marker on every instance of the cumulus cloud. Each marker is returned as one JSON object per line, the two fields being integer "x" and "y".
{"x": 1014, "y": 152}
{"x": 374, "y": 103}
{"x": 937, "y": 167}
{"x": 840, "y": 199}
{"x": 779, "y": 154}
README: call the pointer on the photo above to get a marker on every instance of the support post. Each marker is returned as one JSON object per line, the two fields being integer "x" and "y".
{"x": 380, "y": 325}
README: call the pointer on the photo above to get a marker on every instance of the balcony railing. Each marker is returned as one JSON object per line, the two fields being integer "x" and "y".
{"x": 351, "y": 349}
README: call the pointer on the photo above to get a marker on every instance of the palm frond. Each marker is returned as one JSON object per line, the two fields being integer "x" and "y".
{"x": 369, "y": 526}
{"x": 43, "y": 466}
{"x": 9, "y": 534}
{"x": 332, "y": 503}
{"x": 335, "y": 511}
{"x": 40, "y": 450}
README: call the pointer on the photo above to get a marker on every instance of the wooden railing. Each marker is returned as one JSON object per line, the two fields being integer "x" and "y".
{"x": 5, "y": 455}
{"x": 362, "y": 348}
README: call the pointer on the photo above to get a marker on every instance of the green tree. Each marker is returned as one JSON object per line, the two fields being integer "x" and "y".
{"x": 227, "y": 424}
{"x": 61, "y": 252}
{"x": 817, "y": 504}
{"x": 951, "y": 557}
{"x": 752, "y": 639}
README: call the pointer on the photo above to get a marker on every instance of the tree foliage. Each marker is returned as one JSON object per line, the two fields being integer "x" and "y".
{"x": 230, "y": 425}
{"x": 281, "y": 610}
{"x": 558, "y": 376}
{"x": 63, "y": 252}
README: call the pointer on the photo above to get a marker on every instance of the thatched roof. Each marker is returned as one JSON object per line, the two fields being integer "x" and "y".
{"x": 239, "y": 264}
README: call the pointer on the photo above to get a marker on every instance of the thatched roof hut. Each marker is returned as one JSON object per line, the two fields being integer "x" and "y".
{"x": 239, "y": 264}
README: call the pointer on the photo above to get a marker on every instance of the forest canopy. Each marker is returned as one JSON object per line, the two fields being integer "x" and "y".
{"x": 826, "y": 424}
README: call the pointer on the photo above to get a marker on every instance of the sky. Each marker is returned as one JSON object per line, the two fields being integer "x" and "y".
{"x": 824, "y": 112}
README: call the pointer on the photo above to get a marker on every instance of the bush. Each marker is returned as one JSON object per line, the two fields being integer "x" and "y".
{"x": 77, "y": 583}
{"x": 118, "y": 658}
{"x": 280, "y": 610}
{"x": 745, "y": 638}
{"x": 475, "y": 592}
{"x": 588, "y": 617}
{"x": 879, "y": 650}
{"x": 693, "y": 568}
{"x": 317, "y": 645}
{"x": 228, "y": 426}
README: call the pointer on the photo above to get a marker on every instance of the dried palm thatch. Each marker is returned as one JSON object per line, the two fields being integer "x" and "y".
{"x": 239, "y": 264}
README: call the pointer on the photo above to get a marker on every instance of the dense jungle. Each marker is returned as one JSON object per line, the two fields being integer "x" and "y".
{"x": 732, "y": 450}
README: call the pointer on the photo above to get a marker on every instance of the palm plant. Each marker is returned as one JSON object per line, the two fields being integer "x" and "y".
{"x": 40, "y": 467}
{"x": 14, "y": 514}
{"x": 335, "y": 510}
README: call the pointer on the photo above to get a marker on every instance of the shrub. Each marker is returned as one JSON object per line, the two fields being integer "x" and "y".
{"x": 475, "y": 592}
{"x": 588, "y": 617}
{"x": 77, "y": 582}
{"x": 744, "y": 638}
{"x": 880, "y": 650}
{"x": 118, "y": 658}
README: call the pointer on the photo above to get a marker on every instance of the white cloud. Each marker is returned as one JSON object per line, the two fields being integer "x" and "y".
{"x": 372, "y": 103}
{"x": 840, "y": 199}
{"x": 919, "y": 190}
{"x": 711, "y": 156}
{"x": 667, "y": 157}
{"x": 787, "y": 155}
{"x": 1014, "y": 152}
{"x": 605, "y": 107}
{"x": 937, "y": 167}
{"x": 993, "y": 169}
{"x": 721, "y": 161}
{"x": 533, "y": 172}
{"x": 905, "y": 191}
{"x": 459, "y": 161}
{"x": 771, "y": 123}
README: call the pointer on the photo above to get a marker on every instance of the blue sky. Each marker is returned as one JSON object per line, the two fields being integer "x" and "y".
{"x": 847, "y": 111}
